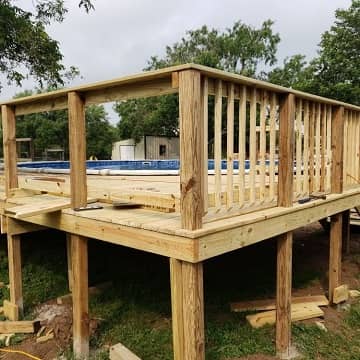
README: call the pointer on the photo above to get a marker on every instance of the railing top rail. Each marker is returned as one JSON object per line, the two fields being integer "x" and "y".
{"x": 58, "y": 99}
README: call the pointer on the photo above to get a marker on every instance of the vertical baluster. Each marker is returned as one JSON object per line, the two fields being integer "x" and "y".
{"x": 273, "y": 112}
{"x": 311, "y": 147}
{"x": 346, "y": 124}
{"x": 205, "y": 99}
{"x": 263, "y": 104}
{"x": 306, "y": 149}
{"x": 217, "y": 147}
{"x": 323, "y": 149}
{"x": 230, "y": 146}
{"x": 328, "y": 146}
{"x": 242, "y": 145}
{"x": 357, "y": 146}
{"x": 298, "y": 147}
{"x": 317, "y": 148}
{"x": 252, "y": 174}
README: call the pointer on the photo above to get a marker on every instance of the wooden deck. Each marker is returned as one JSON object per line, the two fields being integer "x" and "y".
{"x": 193, "y": 217}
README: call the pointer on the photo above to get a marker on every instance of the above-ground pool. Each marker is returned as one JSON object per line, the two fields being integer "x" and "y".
{"x": 120, "y": 167}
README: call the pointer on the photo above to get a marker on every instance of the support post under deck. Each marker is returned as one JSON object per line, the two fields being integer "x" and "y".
{"x": 11, "y": 181}
{"x": 79, "y": 244}
{"x": 284, "y": 245}
{"x": 187, "y": 301}
{"x": 336, "y": 225}
{"x": 187, "y": 278}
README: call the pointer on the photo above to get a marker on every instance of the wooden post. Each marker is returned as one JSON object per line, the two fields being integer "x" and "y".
{"x": 191, "y": 148}
{"x": 11, "y": 181}
{"x": 69, "y": 261}
{"x": 187, "y": 310}
{"x": 187, "y": 278}
{"x": 336, "y": 226}
{"x": 79, "y": 245}
{"x": 284, "y": 241}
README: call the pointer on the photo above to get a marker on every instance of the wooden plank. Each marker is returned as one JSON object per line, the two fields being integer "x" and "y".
{"x": 19, "y": 327}
{"x": 323, "y": 149}
{"x": 311, "y": 147}
{"x": 217, "y": 143}
{"x": 298, "y": 136}
{"x": 270, "y": 304}
{"x": 230, "y": 147}
{"x": 9, "y": 141}
{"x": 306, "y": 150}
{"x": 15, "y": 273}
{"x": 11, "y": 311}
{"x": 77, "y": 148}
{"x": 262, "y": 148}
{"x": 318, "y": 147}
{"x": 273, "y": 114}
{"x": 25, "y": 211}
{"x": 177, "y": 306}
{"x": 79, "y": 252}
{"x": 286, "y": 151}
{"x": 252, "y": 146}
{"x": 69, "y": 262}
{"x": 191, "y": 149}
{"x": 283, "y": 293}
{"x": 298, "y": 312}
{"x": 335, "y": 254}
{"x": 120, "y": 352}
{"x": 193, "y": 311}
{"x": 18, "y": 227}
{"x": 337, "y": 140}
{"x": 340, "y": 294}
{"x": 329, "y": 145}
{"x": 242, "y": 144}
{"x": 205, "y": 104}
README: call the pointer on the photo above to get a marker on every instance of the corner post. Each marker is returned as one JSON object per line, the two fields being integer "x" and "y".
{"x": 11, "y": 181}
{"x": 79, "y": 244}
{"x": 336, "y": 225}
{"x": 187, "y": 294}
{"x": 285, "y": 241}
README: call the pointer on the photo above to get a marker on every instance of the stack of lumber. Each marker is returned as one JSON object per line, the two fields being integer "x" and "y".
{"x": 302, "y": 308}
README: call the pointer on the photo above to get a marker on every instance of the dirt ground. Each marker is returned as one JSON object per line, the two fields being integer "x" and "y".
{"x": 310, "y": 246}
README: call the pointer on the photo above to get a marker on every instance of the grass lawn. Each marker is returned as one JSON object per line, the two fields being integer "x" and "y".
{"x": 136, "y": 309}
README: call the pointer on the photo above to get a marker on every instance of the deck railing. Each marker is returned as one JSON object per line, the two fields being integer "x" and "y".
{"x": 268, "y": 140}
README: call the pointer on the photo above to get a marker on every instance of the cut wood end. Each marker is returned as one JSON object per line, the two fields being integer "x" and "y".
{"x": 341, "y": 294}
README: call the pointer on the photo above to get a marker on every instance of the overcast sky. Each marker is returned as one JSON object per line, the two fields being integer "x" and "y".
{"x": 120, "y": 35}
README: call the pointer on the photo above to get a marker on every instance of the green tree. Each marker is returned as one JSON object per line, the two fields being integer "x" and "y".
{"x": 338, "y": 65}
{"x": 25, "y": 47}
{"x": 240, "y": 49}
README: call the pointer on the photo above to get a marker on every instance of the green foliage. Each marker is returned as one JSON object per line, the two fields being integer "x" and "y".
{"x": 338, "y": 66}
{"x": 335, "y": 72}
{"x": 239, "y": 49}
{"x": 24, "y": 43}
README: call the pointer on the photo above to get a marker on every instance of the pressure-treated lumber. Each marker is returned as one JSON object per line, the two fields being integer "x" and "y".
{"x": 77, "y": 148}
{"x": 340, "y": 294}
{"x": 9, "y": 141}
{"x": 24, "y": 211}
{"x": 15, "y": 274}
{"x": 270, "y": 304}
{"x": 284, "y": 241}
{"x": 21, "y": 327}
{"x": 11, "y": 311}
{"x": 188, "y": 310}
{"x": 298, "y": 312}
{"x": 176, "y": 283}
{"x": 335, "y": 254}
{"x": 337, "y": 142}
{"x": 191, "y": 149}
{"x": 120, "y": 352}
{"x": 79, "y": 254}
{"x": 18, "y": 227}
